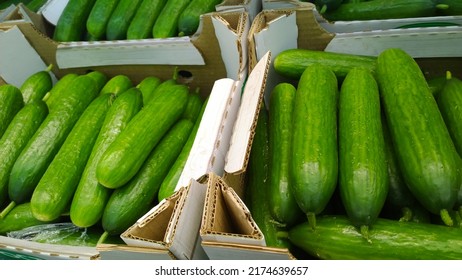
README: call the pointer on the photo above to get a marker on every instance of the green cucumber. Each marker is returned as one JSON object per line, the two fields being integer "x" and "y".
{"x": 257, "y": 189}
{"x": 36, "y": 86}
{"x": 90, "y": 197}
{"x": 193, "y": 107}
{"x": 454, "y": 8}
{"x": 72, "y": 21}
{"x": 120, "y": 19}
{"x": 327, "y": 5}
{"x": 35, "y": 5}
{"x": 292, "y": 62}
{"x": 99, "y": 77}
{"x": 19, "y": 218}
{"x": 142, "y": 189}
{"x": 363, "y": 177}
{"x": 53, "y": 193}
{"x": 98, "y": 18}
{"x": 281, "y": 199}
{"x": 147, "y": 87}
{"x": 11, "y": 101}
{"x": 167, "y": 188}
{"x": 19, "y": 131}
{"x": 450, "y": 104}
{"x": 314, "y": 161}
{"x": 47, "y": 140}
{"x": 189, "y": 19}
{"x": 436, "y": 84}
{"x": 59, "y": 89}
{"x": 382, "y": 9}
{"x": 124, "y": 157}
{"x": 426, "y": 154}
{"x": 335, "y": 238}
{"x": 166, "y": 25}
{"x": 117, "y": 85}
{"x": 144, "y": 19}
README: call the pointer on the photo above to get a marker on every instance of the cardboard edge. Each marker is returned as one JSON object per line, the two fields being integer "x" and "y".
{"x": 227, "y": 251}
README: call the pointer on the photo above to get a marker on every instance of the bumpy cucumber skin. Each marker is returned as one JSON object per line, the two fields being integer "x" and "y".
{"x": 120, "y": 19}
{"x": 100, "y": 79}
{"x": 166, "y": 24}
{"x": 281, "y": 199}
{"x": 382, "y": 9}
{"x": 11, "y": 101}
{"x": 257, "y": 190}
{"x": 58, "y": 90}
{"x": 426, "y": 154}
{"x": 292, "y": 62}
{"x": 144, "y": 19}
{"x": 126, "y": 154}
{"x": 335, "y": 238}
{"x": 99, "y": 16}
{"x": 117, "y": 85}
{"x": 90, "y": 197}
{"x": 193, "y": 107}
{"x": 45, "y": 143}
{"x": 148, "y": 86}
{"x": 36, "y": 86}
{"x": 189, "y": 19}
{"x": 71, "y": 24}
{"x": 363, "y": 177}
{"x": 53, "y": 193}
{"x": 15, "y": 138}
{"x": 314, "y": 161}
{"x": 142, "y": 189}
{"x": 20, "y": 217}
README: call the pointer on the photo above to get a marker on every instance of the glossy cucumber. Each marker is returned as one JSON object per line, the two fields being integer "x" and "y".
{"x": 193, "y": 107}
{"x": 98, "y": 18}
{"x": 147, "y": 87}
{"x": 314, "y": 161}
{"x": 281, "y": 199}
{"x": 36, "y": 86}
{"x": 59, "y": 89}
{"x": 424, "y": 148}
{"x": 142, "y": 189}
{"x": 189, "y": 19}
{"x": 53, "y": 193}
{"x": 117, "y": 85}
{"x": 454, "y": 7}
{"x": 166, "y": 24}
{"x": 18, "y": 132}
{"x": 124, "y": 157}
{"x": 120, "y": 19}
{"x": 99, "y": 77}
{"x": 11, "y": 101}
{"x": 72, "y": 21}
{"x": 90, "y": 197}
{"x": 363, "y": 175}
{"x": 144, "y": 19}
{"x": 19, "y": 218}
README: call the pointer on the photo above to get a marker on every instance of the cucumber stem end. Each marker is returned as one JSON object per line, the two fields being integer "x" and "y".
{"x": 7, "y": 209}
{"x": 446, "y": 217}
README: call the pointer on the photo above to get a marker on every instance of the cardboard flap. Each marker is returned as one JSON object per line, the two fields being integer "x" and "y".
{"x": 53, "y": 9}
{"x": 236, "y": 251}
{"x": 6, "y": 13}
{"x": 226, "y": 218}
{"x": 118, "y": 252}
{"x": 244, "y": 127}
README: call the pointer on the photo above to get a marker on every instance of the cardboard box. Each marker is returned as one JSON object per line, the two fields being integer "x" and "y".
{"x": 222, "y": 45}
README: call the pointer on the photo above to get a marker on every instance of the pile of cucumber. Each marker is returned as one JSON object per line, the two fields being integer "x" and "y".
{"x": 92, "y": 150}
{"x": 93, "y": 20}
{"x": 359, "y": 159}
{"x": 347, "y": 10}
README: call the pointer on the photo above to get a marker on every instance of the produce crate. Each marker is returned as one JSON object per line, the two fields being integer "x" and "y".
{"x": 228, "y": 230}
{"x": 222, "y": 69}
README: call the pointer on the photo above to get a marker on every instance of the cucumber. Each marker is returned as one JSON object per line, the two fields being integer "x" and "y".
{"x": 59, "y": 90}
{"x": 19, "y": 218}
{"x": 436, "y": 84}
{"x": 426, "y": 154}
{"x": 335, "y": 238}
{"x": 257, "y": 190}
{"x": 454, "y": 7}
{"x": 90, "y": 197}
{"x": 99, "y": 77}
{"x": 363, "y": 174}
{"x": 47, "y": 140}
{"x": 72, "y": 21}
{"x": 53, "y": 193}
{"x": 36, "y": 86}
{"x": 11, "y": 101}
{"x": 382, "y": 9}
{"x": 144, "y": 19}
{"x": 120, "y": 19}
{"x": 166, "y": 24}
{"x": 193, "y": 107}
{"x": 189, "y": 19}
{"x": 19, "y": 131}
{"x": 35, "y": 5}
{"x": 291, "y": 63}
{"x": 281, "y": 199}
{"x": 167, "y": 188}
{"x": 119, "y": 213}
{"x": 327, "y": 5}
{"x": 314, "y": 161}
{"x": 117, "y": 85}
{"x": 147, "y": 87}
{"x": 450, "y": 104}
{"x": 124, "y": 157}
{"x": 98, "y": 18}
